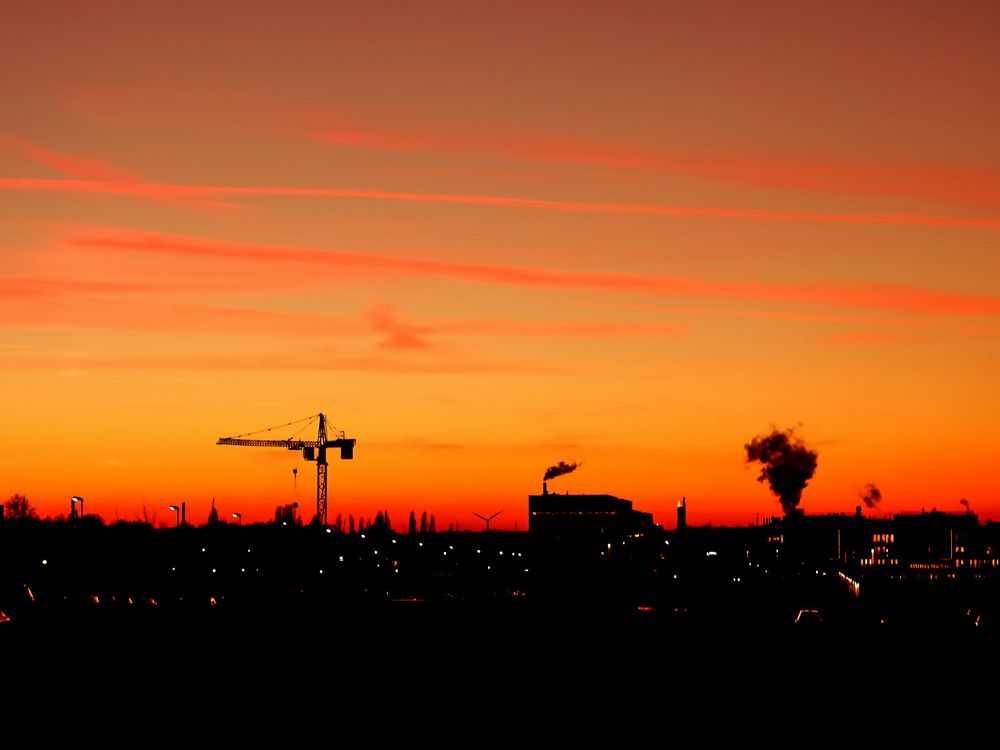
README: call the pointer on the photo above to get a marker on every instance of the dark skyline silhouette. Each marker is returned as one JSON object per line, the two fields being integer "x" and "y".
{"x": 593, "y": 554}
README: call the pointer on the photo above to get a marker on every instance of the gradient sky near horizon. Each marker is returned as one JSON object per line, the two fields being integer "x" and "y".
{"x": 486, "y": 239}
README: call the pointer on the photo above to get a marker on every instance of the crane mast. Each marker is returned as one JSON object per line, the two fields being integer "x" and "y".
{"x": 312, "y": 450}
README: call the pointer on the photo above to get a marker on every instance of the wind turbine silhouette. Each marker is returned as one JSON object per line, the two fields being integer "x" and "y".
{"x": 487, "y": 519}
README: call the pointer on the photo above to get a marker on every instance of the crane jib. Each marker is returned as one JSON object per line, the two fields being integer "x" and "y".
{"x": 312, "y": 450}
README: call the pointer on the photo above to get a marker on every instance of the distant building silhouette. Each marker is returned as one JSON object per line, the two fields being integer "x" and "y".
{"x": 556, "y": 515}
{"x": 904, "y": 546}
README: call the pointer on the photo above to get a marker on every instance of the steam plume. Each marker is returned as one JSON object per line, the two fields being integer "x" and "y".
{"x": 788, "y": 465}
{"x": 871, "y": 496}
{"x": 559, "y": 469}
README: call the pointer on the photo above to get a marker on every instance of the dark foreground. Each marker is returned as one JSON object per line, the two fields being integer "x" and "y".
{"x": 275, "y": 625}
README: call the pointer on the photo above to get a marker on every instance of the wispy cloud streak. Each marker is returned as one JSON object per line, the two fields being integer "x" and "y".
{"x": 71, "y": 165}
{"x": 157, "y": 190}
{"x": 873, "y": 296}
{"x": 65, "y": 306}
{"x": 971, "y": 186}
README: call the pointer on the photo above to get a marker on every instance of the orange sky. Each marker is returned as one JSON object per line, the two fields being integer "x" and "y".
{"x": 486, "y": 240}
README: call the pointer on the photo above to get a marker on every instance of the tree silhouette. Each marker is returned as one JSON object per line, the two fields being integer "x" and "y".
{"x": 423, "y": 523}
{"x": 412, "y": 525}
{"x": 433, "y": 527}
{"x": 148, "y": 516}
{"x": 286, "y": 514}
{"x": 350, "y": 526}
{"x": 17, "y": 507}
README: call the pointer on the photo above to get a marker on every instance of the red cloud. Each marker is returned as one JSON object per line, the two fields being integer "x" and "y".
{"x": 71, "y": 165}
{"x": 302, "y": 359}
{"x": 152, "y": 190}
{"x": 398, "y": 334}
{"x": 871, "y": 296}
{"x": 40, "y": 303}
{"x": 974, "y": 186}
{"x": 873, "y": 338}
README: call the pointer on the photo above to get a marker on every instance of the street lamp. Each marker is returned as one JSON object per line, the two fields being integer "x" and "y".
{"x": 239, "y": 516}
{"x": 177, "y": 512}
{"x": 72, "y": 506}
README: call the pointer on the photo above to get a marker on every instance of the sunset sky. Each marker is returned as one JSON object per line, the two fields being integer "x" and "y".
{"x": 484, "y": 238}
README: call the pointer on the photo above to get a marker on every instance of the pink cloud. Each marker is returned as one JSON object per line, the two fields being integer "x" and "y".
{"x": 151, "y": 190}
{"x": 303, "y": 359}
{"x": 977, "y": 186}
{"x": 863, "y": 319}
{"x": 71, "y": 165}
{"x": 873, "y": 338}
{"x": 558, "y": 328}
{"x": 872, "y": 296}
{"x": 385, "y": 320}
{"x": 35, "y": 303}
{"x": 132, "y": 313}
{"x": 137, "y": 106}
{"x": 351, "y": 136}
{"x": 93, "y": 172}
{"x": 38, "y": 287}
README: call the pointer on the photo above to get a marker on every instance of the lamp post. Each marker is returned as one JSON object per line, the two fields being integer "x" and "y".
{"x": 239, "y": 516}
{"x": 177, "y": 512}
{"x": 72, "y": 506}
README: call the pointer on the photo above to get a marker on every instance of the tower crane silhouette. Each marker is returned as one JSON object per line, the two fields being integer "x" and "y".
{"x": 312, "y": 450}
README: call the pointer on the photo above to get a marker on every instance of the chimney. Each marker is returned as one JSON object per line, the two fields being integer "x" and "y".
{"x": 545, "y": 488}
{"x": 184, "y": 506}
{"x": 857, "y": 511}
{"x": 682, "y": 514}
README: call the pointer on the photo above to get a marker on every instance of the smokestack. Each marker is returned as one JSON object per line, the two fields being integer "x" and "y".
{"x": 545, "y": 488}
{"x": 184, "y": 513}
{"x": 857, "y": 511}
{"x": 682, "y": 514}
